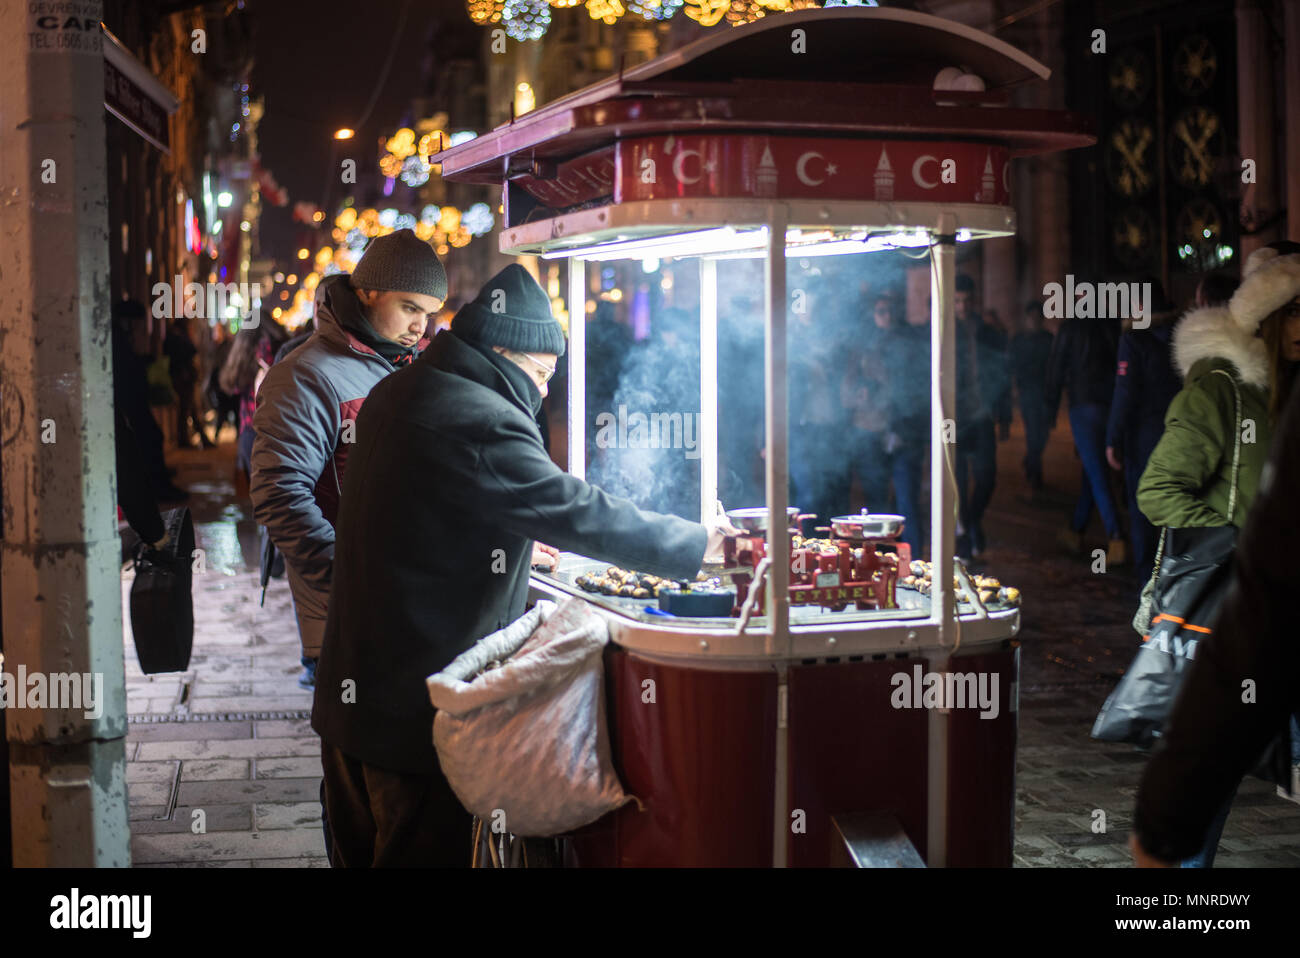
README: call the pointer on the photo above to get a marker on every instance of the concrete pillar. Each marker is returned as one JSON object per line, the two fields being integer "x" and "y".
{"x": 58, "y": 564}
{"x": 1291, "y": 91}
{"x": 1256, "y": 110}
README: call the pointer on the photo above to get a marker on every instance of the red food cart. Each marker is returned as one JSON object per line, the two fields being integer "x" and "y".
{"x": 755, "y": 739}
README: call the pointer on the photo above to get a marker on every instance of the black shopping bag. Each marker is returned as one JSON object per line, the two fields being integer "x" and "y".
{"x": 1192, "y": 581}
{"x": 162, "y": 605}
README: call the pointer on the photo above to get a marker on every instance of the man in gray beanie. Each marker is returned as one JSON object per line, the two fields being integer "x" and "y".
{"x": 421, "y": 577}
{"x": 367, "y": 325}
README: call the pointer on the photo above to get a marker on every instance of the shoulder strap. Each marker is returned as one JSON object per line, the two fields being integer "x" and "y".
{"x": 1236, "y": 443}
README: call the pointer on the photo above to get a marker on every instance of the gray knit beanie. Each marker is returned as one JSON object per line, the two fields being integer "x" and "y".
{"x": 513, "y": 312}
{"x": 401, "y": 262}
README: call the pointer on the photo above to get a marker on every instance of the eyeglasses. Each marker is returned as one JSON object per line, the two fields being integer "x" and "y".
{"x": 549, "y": 370}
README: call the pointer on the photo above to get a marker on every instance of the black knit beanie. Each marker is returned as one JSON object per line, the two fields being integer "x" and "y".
{"x": 513, "y": 312}
{"x": 401, "y": 262}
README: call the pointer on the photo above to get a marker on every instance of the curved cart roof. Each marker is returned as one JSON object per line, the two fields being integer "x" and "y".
{"x": 863, "y": 74}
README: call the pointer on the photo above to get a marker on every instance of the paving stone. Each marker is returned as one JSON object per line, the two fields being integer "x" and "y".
{"x": 231, "y": 846}
{"x": 284, "y": 702}
{"x": 287, "y": 768}
{"x": 292, "y": 863}
{"x": 287, "y": 815}
{"x": 283, "y": 728}
{"x": 216, "y": 818}
{"x": 223, "y": 864}
{"x": 150, "y": 772}
{"x": 250, "y": 790}
{"x": 139, "y": 813}
{"x": 149, "y": 793}
{"x": 212, "y": 770}
{"x": 230, "y": 748}
{"x": 194, "y": 731}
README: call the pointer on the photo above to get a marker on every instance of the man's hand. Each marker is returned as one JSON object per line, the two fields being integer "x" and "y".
{"x": 719, "y": 528}
{"x": 1142, "y": 858}
{"x": 161, "y": 542}
{"x": 1112, "y": 457}
{"x": 544, "y": 556}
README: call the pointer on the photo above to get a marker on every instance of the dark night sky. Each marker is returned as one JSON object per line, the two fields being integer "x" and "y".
{"x": 316, "y": 65}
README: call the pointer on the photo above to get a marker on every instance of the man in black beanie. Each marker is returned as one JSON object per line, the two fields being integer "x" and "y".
{"x": 367, "y": 325}
{"x": 419, "y": 578}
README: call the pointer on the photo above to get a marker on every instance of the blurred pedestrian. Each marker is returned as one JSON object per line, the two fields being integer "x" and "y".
{"x": 1082, "y": 366}
{"x": 1030, "y": 352}
{"x": 251, "y": 354}
{"x": 367, "y": 325}
{"x": 983, "y": 393}
{"x": 818, "y": 361}
{"x": 1145, "y": 384}
{"x": 907, "y": 365}
{"x": 180, "y": 351}
{"x": 1239, "y": 366}
{"x": 131, "y": 394}
{"x": 865, "y": 390}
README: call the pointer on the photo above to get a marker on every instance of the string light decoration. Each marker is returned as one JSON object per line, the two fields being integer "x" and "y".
{"x": 707, "y": 13}
{"x": 484, "y": 12}
{"x": 526, "y": 19}
{"x": 747, "y": 11}
{"x": 654, "y": 9}
{"x": 607, "y": 11}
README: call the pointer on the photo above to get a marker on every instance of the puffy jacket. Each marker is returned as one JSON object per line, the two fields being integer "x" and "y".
{"x": 449, "y": 488}
{"x": 299, "y": 457}
{"x": 1213, "y": 738}
{"x": 1188, "y": 478}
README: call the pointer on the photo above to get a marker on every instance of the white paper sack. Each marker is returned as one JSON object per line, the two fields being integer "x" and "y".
{"x": 528, "y": 739}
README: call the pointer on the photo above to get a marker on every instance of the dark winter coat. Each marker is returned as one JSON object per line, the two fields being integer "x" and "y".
{"x": 1146, "y": 382}
{"x": 419, "y": 578}
{"x": 983, "y": 373}
{"x": 1213, "y": 738}
{"x": 1083, "y": 363}
{"x": 1030, "y": 354}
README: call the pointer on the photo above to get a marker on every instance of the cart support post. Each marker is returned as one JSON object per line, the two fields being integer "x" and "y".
{"x": 943, "y": 343}
{"x": 578, "y": 368}
{"x": 707, "y": 435}
{"x": 778, "y": 539}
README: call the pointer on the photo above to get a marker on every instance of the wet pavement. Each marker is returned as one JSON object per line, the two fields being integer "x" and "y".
{"x": 227, "y": 745}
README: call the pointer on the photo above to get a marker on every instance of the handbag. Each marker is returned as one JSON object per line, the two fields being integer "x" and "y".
{"x": 162, "y": 604}
{"x": 1176, "y": 611}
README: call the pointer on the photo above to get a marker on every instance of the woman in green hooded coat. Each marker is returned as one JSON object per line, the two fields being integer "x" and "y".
{"x": 1238, "y": 365}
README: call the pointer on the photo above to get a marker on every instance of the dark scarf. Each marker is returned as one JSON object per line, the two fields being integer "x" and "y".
{"x": 519, "y": 380}
{"x": 351, "y": 315}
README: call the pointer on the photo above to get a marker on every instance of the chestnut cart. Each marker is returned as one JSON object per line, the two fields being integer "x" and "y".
{"x": 766, "y": 738}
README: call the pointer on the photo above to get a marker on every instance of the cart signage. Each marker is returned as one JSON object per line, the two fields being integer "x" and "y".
{"x": 735, "y": 165}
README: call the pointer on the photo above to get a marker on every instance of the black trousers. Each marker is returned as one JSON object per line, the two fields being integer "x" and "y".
{"x": 976, "y": 461}
{"x": 378, "y": 818}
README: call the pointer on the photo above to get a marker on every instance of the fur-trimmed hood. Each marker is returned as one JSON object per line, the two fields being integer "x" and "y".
{"x": 1213, "y": 333}
{"x": 1269, "y": 281}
